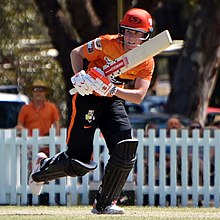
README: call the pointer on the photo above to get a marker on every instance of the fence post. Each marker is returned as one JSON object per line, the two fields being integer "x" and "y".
{"x": 217, "y": 167}
{"x": 173, "y": 166}
{"x": 206, "y": 168}
{"x": 4, "y": 167}
{"x": 24, "y": 165}
{"x": 184, "y": 168}
{"x": 195, "y": 167}
{"x": 14, "y": 169}
{"x": 140, "y": 167}
{"x": 151, "y": 141}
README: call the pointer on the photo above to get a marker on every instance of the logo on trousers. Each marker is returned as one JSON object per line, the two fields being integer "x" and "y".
{"x": 90, "y": 116}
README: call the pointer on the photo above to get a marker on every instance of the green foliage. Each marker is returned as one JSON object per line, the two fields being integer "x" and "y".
{"x": 26, "y": 52}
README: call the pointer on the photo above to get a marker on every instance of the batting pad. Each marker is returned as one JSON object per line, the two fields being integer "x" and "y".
{"x": 60, "y": 167}
{"x": 117, "y": 170}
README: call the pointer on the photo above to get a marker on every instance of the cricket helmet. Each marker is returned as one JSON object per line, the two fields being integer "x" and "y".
{"x": 138, "y": 20}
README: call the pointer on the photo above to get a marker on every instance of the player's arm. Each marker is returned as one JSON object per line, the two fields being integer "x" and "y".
{"x": 76, "y": 57}
{"x": 80, "y": 79}
{"x": 104, "y": 87}
{"x": 135, "y": 95}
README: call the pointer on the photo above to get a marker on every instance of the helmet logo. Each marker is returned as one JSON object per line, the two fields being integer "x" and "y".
{"x": 134, "y": 19}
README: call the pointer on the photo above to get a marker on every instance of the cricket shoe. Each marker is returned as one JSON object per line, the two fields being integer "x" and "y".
{"x": 112, "y": 209}
{"x": 36, "y": 187}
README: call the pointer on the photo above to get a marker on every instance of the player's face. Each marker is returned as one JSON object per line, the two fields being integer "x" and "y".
{"x": 132, "y": 39}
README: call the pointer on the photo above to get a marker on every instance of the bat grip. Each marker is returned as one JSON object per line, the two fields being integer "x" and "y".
{"x": 72, "y": 91}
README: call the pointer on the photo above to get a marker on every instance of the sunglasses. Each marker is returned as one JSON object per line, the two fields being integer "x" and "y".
{"x": 217, "y": 123}
{"x": 38, "y": 89}
{"x": 195, "y": 126}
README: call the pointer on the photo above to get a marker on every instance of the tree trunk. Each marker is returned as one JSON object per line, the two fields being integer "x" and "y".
{"x": 197, "y": 69}
{"x": 93, "y": 18}
{"x": 61, "y": 33}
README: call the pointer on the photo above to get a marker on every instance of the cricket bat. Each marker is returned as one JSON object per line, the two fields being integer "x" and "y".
{"x": 138, "y": 55}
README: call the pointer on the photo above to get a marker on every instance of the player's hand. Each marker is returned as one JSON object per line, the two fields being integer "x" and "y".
{"x": 82, "y": 83}
{"x": 101, "y": 84}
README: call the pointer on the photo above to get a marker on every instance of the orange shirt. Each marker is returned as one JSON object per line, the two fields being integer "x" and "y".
{"x": 109, "y": 46}
{"x": 31, "y": 117}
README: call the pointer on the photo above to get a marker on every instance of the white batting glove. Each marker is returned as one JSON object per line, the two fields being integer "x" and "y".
{"x": 101, "y": 83}
{"x": 82, "y": 83}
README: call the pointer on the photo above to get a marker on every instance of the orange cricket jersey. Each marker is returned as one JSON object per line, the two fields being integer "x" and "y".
{"x": 109, "y": 46}
{"x": 42, "y": 118}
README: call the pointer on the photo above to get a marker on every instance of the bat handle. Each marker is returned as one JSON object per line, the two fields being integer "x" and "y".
{"x": 72, "y": 91}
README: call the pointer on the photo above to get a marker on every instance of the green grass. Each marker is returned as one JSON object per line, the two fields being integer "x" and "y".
{"x": 83, "y": 212}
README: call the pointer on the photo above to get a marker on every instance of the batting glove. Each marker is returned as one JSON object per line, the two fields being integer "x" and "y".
{"x": 101, "y": 84}
{"x": 82, "y": 83}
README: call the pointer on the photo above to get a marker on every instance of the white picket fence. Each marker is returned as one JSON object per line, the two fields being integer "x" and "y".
{"x": 149, "y": 183}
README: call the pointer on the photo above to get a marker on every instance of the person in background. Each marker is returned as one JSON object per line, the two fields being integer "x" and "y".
{"x": 195, "y": 125}
{"x": 214, "y": 126}
{"x": 216, "y": 121}
{"x": 38, "y": 114}
{"x": 173, "y": 123}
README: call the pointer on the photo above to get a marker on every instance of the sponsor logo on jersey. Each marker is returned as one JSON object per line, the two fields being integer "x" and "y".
{"x": 90, "y": 47}
{"x": 97, "y": 43}
{"x": 131, "y": 72}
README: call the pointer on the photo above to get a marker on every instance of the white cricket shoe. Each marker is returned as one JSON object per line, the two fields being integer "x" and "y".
{"x": 36, "y": 187}
{"x": 112, "y": 209}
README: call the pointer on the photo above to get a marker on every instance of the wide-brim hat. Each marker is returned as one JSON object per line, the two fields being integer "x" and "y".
{"x": 38, "y": 84}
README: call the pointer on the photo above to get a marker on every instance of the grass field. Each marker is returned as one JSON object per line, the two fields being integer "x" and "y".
{"x": 83, "y": 212}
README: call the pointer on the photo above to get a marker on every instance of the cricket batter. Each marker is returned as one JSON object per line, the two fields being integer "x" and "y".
{"x": 99, "y": 103}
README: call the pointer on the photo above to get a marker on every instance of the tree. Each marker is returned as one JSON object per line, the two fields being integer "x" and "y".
{"x": 198, "y": 66}
{"x": 26, "y": 51}
{"x": 70, "y": 23}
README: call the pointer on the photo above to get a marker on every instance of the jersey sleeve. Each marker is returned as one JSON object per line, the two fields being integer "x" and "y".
{"x": 93, "y": 50}
{"x": 107, "y": 46}
{"x": 147, "y": 72}
{"x": 143, "y": 71}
